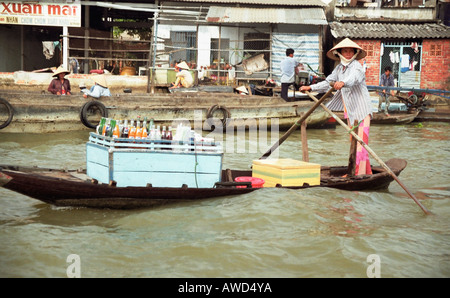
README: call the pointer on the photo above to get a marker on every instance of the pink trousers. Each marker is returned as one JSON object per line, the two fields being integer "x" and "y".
{"x": 362, "y": 156}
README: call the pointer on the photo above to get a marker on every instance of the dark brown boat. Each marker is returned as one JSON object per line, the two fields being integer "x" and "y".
{"x": 392, "y": 118}
{"x": 74, "y": 188}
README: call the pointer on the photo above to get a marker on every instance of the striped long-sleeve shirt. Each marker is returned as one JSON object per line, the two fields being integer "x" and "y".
{"x": 354, "y": 95}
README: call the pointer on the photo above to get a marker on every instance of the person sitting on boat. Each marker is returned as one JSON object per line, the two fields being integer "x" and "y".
{"x": 352, "y": 97}
{"x": 184, "y": 77}
{"x": 60, "y": 85}
{"x": 242, "y": 90}
{"x": 100, "y": 87}
{"x": 386, "y": 80}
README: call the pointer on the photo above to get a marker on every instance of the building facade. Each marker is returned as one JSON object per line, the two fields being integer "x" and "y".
{"x": 411, "y": 39}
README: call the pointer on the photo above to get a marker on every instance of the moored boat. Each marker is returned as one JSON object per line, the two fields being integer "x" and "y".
{"x": 24, "y": 111}
{"x": 74, "y": 188}
{"x": 391, "y": 118}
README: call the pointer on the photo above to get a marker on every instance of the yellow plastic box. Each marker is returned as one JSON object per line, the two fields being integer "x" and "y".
{"x": 287, "y": 172}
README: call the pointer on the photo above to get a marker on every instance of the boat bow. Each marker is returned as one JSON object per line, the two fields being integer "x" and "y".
{"x": 4, "y": 179}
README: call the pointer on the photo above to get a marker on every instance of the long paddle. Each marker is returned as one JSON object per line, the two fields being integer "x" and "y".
{"x": 370, "y": 151}
{"x": 296, "y": 125}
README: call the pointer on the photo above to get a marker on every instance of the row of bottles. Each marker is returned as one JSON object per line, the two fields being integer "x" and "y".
{"x": 133, "y": 130}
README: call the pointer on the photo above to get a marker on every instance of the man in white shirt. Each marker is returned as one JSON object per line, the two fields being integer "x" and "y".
{"x": 288, "y": 71}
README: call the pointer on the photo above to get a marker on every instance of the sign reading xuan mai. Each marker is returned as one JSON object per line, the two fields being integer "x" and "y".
{"x": 40, "y": 13}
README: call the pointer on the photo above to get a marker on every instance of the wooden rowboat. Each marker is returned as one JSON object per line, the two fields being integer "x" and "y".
{"x": 74, "y": 188}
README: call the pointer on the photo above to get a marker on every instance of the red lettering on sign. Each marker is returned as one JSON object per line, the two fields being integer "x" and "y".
{"x": 17, "y": 8}
{"x": 24, "y": 9}
{"x": 64, "y": 10}
{"x": 54, "y": 10}
{"x": 6, "y": 7}
{"x": 27, "y": 8}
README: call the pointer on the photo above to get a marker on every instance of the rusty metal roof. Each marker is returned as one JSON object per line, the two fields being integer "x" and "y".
{"x": 389, "y": 30}
{"x": 263, "y": 2}
{"x": 311, "y": 15}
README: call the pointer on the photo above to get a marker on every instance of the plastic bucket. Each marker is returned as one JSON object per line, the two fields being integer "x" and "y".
{"x": 256, "y": 182}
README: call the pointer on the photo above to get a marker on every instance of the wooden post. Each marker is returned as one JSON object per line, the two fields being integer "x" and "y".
{"x": 305, "y": 156}
{"x": 219, "y": 54}
{"x": 152, "y": 55}
{"x": 270, "y": 53}
{"x": 86, "y": 38}
{"x": 65, "y": 48}
{"x": 249, "y": 90}
{"x": 352, "y": 158}
{"x": 229, "y": 175}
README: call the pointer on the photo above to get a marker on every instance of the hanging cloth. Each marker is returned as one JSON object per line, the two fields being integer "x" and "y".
{"x": 49, "y": 48}
{"x": 392, "y": 57}
{"x": 415, "y": 46}
{"x": 404, "y": 65}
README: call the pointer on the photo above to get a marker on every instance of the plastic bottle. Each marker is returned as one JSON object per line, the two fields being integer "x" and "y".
{"x": 192, "y": 139}
{"x": 116, "y": 130}
{"x": 158, "y": 133}
{"x": 151, "y": 123}
{"x": 138, "y": 134}
{"x": 152, "y": 133}
{"x": 132, "y": 131}
{"x": 126, "y": 129}
{"x": 169, "y": 135}
{"x": 110, "y": 128}
{"x": 99, "y": 128}
{"x": 144, "y": 129}
{"x": 105, "y": 127}
{"x": 120, "y": 128}
{"x": 164, "y": 133}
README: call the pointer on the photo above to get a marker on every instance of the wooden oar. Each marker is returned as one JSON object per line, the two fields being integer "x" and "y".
{"x": 370, "y": 151}
{"x": 297, "y": 124}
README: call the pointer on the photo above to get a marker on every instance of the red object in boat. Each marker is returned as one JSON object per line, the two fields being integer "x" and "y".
{"x": 256, "y": 182}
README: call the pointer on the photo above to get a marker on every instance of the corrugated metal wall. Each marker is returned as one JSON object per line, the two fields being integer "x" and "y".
{"x": 305, "y": 45}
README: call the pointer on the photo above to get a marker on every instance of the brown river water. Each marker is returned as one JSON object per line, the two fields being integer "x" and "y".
{"x": 268, "y": 233}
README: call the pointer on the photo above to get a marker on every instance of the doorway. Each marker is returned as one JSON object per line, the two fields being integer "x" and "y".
{"x": 405, "y": 60}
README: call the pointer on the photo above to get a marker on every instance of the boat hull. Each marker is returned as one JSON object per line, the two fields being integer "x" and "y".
{"x": 393, "y": 118}
{"x": 75, "y": 189}
{"x": 41, "y": 113}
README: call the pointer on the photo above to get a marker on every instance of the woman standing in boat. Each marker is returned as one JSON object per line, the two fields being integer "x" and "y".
{"x": 60, "y": 85}
{"x": 352, "y": 97}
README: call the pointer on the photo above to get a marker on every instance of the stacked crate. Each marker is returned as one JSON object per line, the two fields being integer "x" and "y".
{"x": 161, "y": 163}
{"x": 286, "y": 172}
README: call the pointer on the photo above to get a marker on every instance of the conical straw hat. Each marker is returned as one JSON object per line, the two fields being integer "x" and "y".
{"x": 346, "y": 43}
{"x": 60, "y": 70}
{"x": 183, "y": 65}
{"x": 100, "y": 80}
{"x": 242, "y": 89}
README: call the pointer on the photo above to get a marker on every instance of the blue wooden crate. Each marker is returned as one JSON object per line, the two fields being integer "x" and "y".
{"x": 138, "y": 162}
